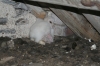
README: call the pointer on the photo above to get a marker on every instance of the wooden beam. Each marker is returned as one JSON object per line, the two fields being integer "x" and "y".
{"x": 37, "y": 11}
{"x": 68, "y": 3}
{"x": 78, "y": 24}
{"x": 94, "y": 20}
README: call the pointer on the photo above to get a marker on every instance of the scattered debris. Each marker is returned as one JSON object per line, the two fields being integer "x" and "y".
{"x": 71, "y": 52}
{"x": 74, "y": 45}
{"x": 10, "y": 44}
{"x": 4, "y": 60}
{"x": 36, "y": 64}
{"x": 89, "y": 40}
{"x": 93, "y": 47}
{"x": 4, "y": 45}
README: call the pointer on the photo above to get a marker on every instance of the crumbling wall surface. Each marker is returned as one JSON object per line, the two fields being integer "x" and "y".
{"x": 16, "y": 18}
{"x": 14, "y": 22}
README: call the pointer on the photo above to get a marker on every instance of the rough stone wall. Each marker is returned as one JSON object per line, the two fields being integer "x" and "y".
{"x": 17, "y": 18}
{"x": 16, "y": 26}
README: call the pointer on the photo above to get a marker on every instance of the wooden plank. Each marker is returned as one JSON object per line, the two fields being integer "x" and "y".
{"x": 78, "y": 24}
{"x": 37, "y": 11}
{"x": 94, "y": 20}
{"x": 69, "y": 3}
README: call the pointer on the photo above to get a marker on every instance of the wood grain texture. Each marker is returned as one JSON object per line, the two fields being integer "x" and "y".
{"x": 78, "y": 24}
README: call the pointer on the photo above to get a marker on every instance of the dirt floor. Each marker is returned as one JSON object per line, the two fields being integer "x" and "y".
{"x": 65, "y": 51}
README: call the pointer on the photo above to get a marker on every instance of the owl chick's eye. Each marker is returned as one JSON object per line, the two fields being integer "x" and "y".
{"x": 50, "y": 22}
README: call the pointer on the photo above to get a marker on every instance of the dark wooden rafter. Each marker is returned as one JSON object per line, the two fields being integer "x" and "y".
{"x": 81, "y": 27}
